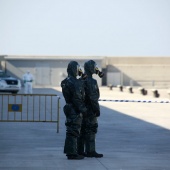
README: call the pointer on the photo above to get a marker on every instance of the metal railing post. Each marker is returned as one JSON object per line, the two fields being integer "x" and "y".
{"x": 58, "y": 115}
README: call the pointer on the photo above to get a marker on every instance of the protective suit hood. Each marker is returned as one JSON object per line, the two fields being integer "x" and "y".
{"x": 89, "y": 67}
{"x": 72, "y": 68}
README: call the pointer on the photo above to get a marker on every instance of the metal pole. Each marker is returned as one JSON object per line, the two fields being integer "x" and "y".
{"x": 39, "y": 107}
{"x": 51, "y": 108}
{"x": 27, "y": 107}
{"x": 45, "y": 107}
{"x": 33, "y": 107}
{"x": 8, "y": 111}
{"x": 2, "y": 108}
{"x": 14, "y": 103}
{"x": 153, "y": 83}
{"x": 22, "y": 106}
{"x": 58, "y": 114}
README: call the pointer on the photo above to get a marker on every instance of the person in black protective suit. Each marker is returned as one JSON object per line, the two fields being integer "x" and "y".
{"x": 73, "y": 92}
{"x": 90, "y": 124}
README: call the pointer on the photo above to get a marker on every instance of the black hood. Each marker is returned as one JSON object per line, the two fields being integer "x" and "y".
{"x": 89, "y": 67}
{"x": 72, "y": 68}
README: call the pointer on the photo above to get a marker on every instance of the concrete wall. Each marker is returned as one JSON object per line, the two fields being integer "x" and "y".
{"x": 46, "y": 72}
{"x": 141, "y": 71}
{"x": 137, "y": 71}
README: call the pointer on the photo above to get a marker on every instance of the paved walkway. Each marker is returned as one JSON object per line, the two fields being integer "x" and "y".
{"x": 132, "y": 136}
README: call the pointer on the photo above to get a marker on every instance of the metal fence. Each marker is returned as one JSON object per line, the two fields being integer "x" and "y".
{"x": 30, "y": 108}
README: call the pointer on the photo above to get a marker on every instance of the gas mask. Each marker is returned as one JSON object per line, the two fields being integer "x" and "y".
{"x": 98, "y": 72}
{"x": 80, "y": 72}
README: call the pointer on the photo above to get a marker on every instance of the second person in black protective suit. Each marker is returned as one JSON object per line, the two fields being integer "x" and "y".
{"x": 73, "y": 92}
{"x": 90, "y": 123}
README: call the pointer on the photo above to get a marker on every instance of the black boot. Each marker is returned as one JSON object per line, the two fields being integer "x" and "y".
{"x": 82, "y": 153}
{"x": 80, "y": 145}
{"x": 93, "y": 154}
{"x": 76, "y": 157}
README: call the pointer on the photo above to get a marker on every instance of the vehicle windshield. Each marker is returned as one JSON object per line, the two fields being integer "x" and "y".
{"x": 3, "y": 74}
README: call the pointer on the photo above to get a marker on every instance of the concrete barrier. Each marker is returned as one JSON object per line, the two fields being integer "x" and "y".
{"x": 143, "y": 91}
{"x": 110, "y": 86}
{"x": 155, "y": 93}
{"x": 120, "y": 87}
{"x": 130, "y": 89}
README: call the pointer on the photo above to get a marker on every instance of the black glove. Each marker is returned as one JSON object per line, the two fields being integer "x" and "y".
{"x": 97, "y": 114}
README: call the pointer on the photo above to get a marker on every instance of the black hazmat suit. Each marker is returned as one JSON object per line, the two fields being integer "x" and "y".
{"x": 90, "y": 123}
{"x": 73, "y": 92}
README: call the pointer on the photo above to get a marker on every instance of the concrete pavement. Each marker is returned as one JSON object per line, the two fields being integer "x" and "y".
{"x": 132, "y": 136}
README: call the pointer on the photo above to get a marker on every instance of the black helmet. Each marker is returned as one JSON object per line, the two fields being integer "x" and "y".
{"x": 74, "y": 69}
{"x": 92, "y": 68}
{"x": 89, "y": 67}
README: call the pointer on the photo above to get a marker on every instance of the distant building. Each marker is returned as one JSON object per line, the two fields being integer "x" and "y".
{"x": 47, "y": 70}
{"x": 128, "y": 71}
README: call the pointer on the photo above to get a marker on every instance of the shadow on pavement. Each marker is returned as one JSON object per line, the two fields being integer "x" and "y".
{"x": 127, "y": 143}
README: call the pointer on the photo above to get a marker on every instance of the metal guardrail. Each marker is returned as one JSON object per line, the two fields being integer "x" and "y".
{"x": 30, "y": 108}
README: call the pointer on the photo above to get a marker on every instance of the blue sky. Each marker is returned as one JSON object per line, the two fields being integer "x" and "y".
{"x": 85, "y": 27}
